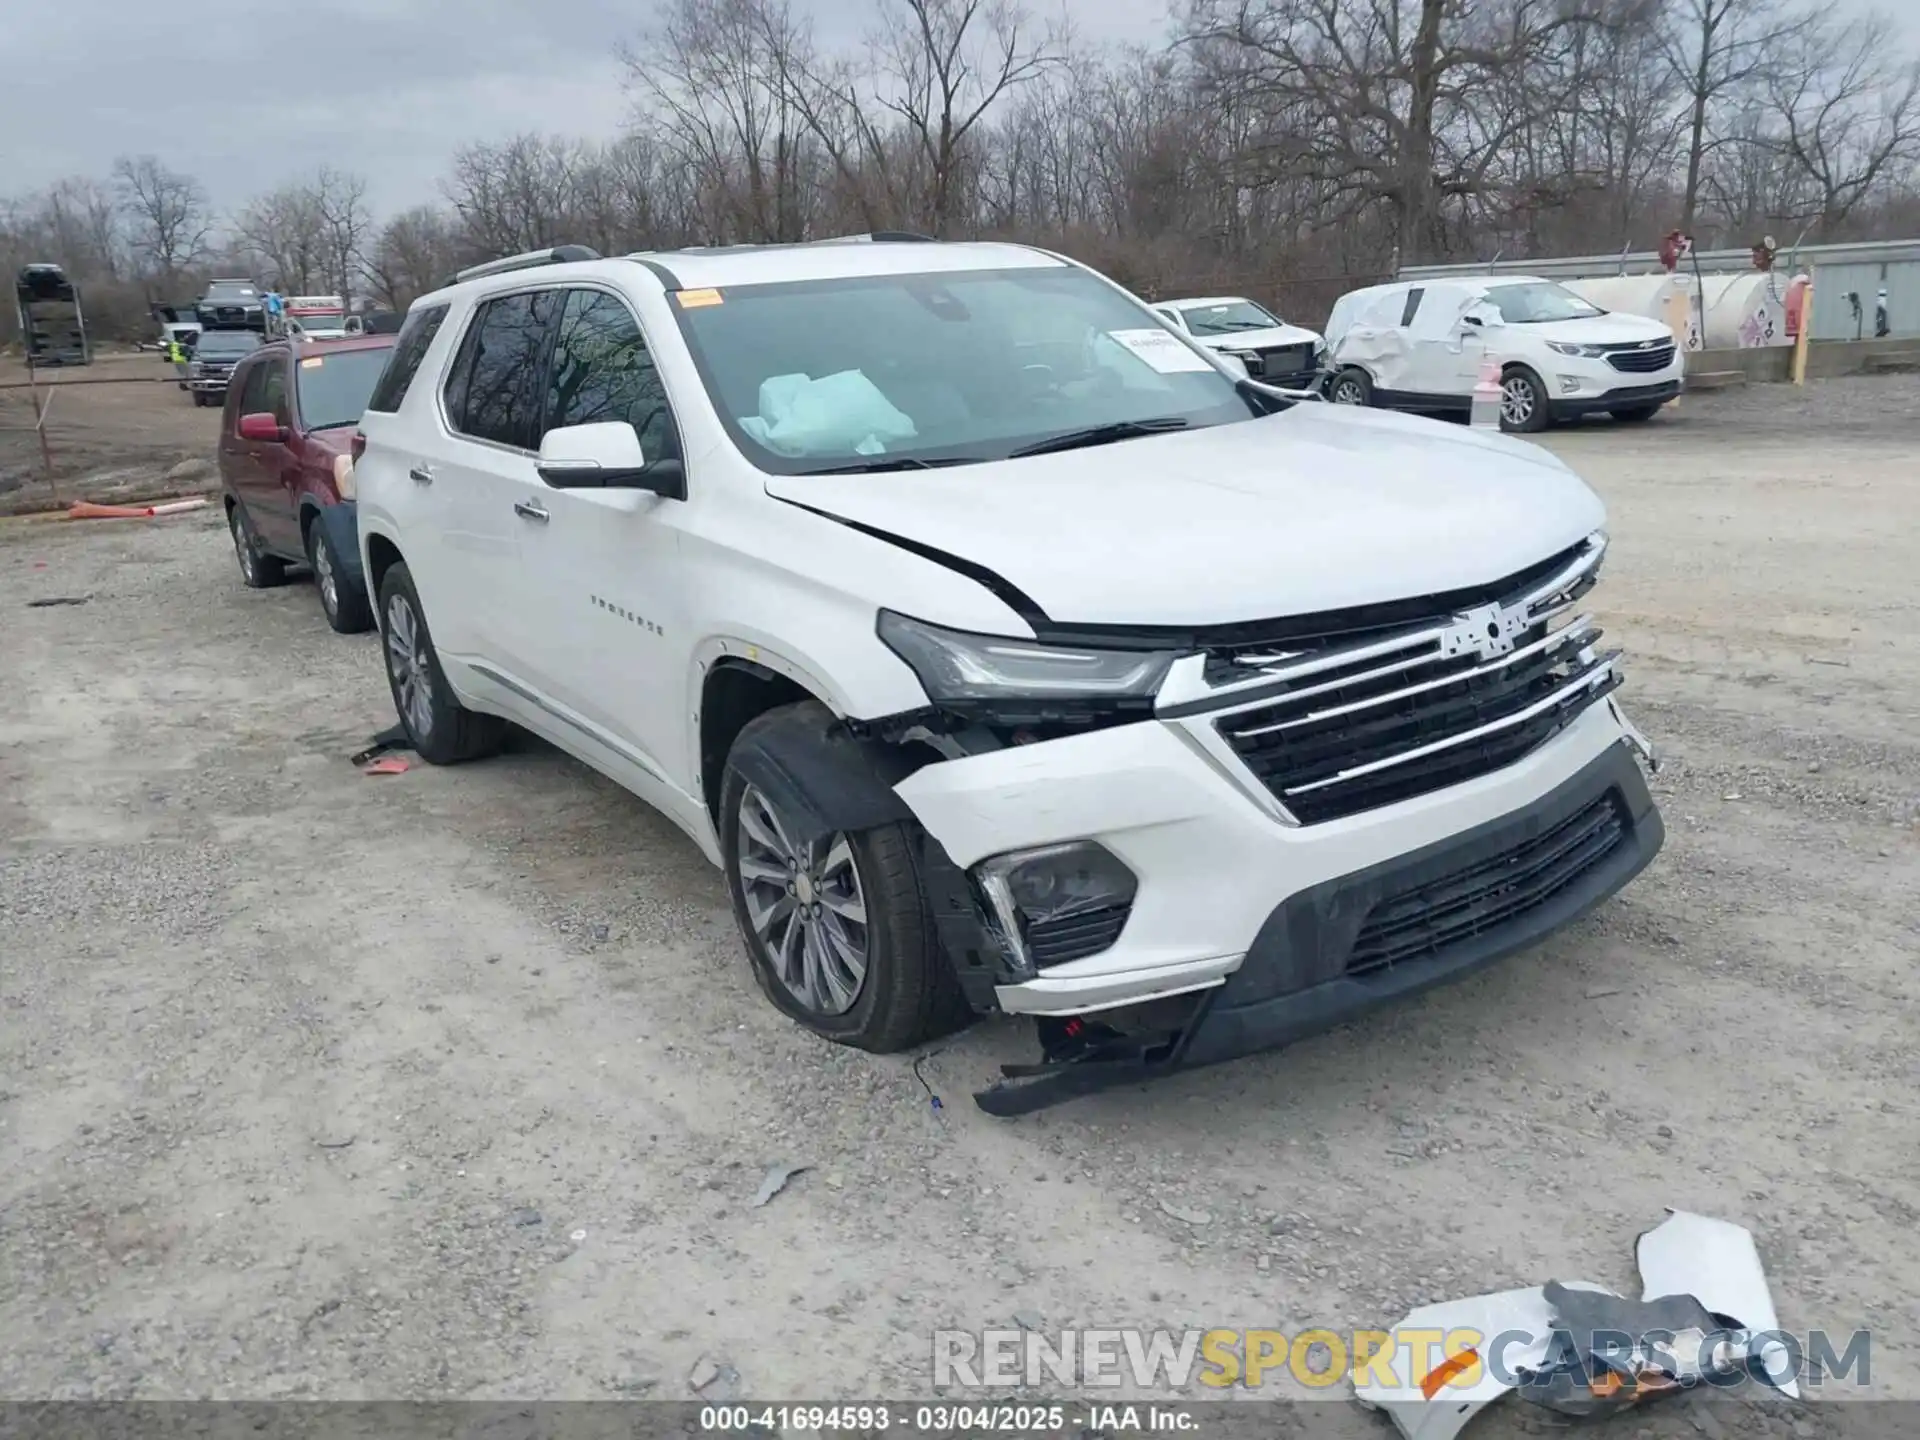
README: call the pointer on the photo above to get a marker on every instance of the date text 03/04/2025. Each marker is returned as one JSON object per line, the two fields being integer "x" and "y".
{"x": 942, "y": 1418}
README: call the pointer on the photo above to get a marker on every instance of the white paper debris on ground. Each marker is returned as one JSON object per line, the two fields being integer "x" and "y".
{"x": 774, "y": 1182}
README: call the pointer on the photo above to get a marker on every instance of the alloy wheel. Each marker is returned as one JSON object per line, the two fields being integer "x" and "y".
{"x": 1517, "y": 400}
{"x": 1347, "y": 392}
{"x": 806, "y": 905}
{"x": 409, "y": 661}
{"x": 243, "y": 545}
{"x": 323, "y": 576}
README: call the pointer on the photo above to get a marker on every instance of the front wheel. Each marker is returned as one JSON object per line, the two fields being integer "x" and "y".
{"x": 837, "y": 931}
{"x": 1523, "y": 402}
{"x": 1350, "y": 387}
{"x": 441, "y": 730}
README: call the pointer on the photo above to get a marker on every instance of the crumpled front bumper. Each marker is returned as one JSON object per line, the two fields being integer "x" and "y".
{"x": 1256, "y": 922}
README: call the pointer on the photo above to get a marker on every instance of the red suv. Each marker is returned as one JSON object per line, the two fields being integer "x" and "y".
{"x": 286, "y": 466}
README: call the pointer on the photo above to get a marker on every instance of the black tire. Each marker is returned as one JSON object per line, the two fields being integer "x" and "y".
{"x": 1352, "y": 386}
{"x": 199, "y": 399}
{"x": 343, "y": 603}
{"x": 908, "y": 993}
{"x": 1635, "y": 415}
{"x": 1538, "y": 413}
{"x": 441, "y": 730}
{"x": 258, "y": 569}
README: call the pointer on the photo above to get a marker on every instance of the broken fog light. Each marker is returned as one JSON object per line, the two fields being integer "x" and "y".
{"x": 1058, "y": 903}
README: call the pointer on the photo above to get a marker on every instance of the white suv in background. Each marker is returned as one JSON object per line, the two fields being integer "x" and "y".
{"x": 1265, "y": 345}
{"x": 1420, "y": 345}
{"x": 1005, "y": 650}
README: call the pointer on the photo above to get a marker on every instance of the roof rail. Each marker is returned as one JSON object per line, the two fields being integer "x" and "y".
{"x": 898, "y": 237}
{"x": 558, "y": 255}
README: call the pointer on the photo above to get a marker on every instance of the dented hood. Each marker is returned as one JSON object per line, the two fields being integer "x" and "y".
{"x": 1317, "y": 508}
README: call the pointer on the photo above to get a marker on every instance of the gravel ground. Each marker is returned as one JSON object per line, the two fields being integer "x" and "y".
{"x": 454, "y": 1083}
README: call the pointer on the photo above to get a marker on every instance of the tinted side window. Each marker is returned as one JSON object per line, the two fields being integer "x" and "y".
{"x": 408, "y": 351}
{"x": 273, "y": 389}
{"x": 602, "y": 371}
{"x": 1413, "y": 305}
{"x": 496, "y": 390}
{"x": 253, "y": 390}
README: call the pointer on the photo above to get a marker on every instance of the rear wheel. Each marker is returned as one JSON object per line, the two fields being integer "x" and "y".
{"x": 344, "y": 603}
{"x": 1523, "y": 401}
{"x": 258, "y": 570}
{"x": 441, "y": 730}
{"x": 1350, "y": 387}
{"x": 838, "y": 933}
{"x": 1636, "y": 415}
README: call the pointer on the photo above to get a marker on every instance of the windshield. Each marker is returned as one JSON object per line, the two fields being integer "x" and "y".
{"x": 334, "y": 388}
{"x": 823, "y": 375}
{"x": 1538, "y": 302}
{"x": 1226, "y": 319}
{"x": 228, "y": 342}
{"x": 319, "y": 322}
{"x": 226, "y": 290}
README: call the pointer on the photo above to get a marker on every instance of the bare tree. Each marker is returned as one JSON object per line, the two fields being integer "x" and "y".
{"x": 340, "y": 203}
{"x": 287, "y": 234}
{"x": 945, "y": 64}
{"x": 167, "y": 213}
{"x": 1719, "y": 51}
{"x": 413, "y": 253}
{"x": 711, "y": 82}
{"x": 1849, "y": 113}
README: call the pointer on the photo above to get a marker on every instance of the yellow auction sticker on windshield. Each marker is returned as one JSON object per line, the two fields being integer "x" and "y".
{"x": 694, "y": 299}
{"x": 313, "y": 362}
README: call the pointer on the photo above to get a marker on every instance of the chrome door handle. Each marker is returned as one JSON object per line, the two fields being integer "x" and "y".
{"x": 530, "y": 509}
{"x": 420, "y": 475}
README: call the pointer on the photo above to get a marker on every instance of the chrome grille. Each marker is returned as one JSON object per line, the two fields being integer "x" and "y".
{"x": 1634, "y": 360}
{"x": 1342, "y": 728}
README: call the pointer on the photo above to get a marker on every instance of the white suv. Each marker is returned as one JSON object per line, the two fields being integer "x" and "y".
{"x": 1265, "y": 345}
{"x": 1420, "y": 345}
{"x": 1005, "y": 649}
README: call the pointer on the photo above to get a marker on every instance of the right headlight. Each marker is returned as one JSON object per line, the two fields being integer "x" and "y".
{"x": 955, "y": 665}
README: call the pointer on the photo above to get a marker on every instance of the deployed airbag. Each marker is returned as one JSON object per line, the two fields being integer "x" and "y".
{"x": 836, "y": 415}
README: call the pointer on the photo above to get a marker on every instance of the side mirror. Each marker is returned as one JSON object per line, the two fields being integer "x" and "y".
{"x": 606, "y": 455}
{"x": 262, "y": 426}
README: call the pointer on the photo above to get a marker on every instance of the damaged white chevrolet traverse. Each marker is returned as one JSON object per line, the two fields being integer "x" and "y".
{"x": 1006, "y": 651}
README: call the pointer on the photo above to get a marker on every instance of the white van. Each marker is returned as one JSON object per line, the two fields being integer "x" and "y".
{"x": 1420, "y": 344}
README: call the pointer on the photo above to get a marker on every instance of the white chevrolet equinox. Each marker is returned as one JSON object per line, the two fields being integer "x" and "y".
{"x": 1006, "y": 650}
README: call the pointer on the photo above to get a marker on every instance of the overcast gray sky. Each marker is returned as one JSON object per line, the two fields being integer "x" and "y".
{"x": 246, "y": 97}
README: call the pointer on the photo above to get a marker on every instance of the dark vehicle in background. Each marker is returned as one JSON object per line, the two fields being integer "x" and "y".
{"x": 231, "y": 304}
{"x": 215, "y": 353}
{"x": 51, "y": 324}
{"x": 375, "y": 322}
{"x": 286, "y": 465}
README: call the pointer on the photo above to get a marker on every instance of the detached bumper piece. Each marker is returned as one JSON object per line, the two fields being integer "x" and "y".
{"x": 1705, "y": 1317}
{"x": 1332, "y": 953}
